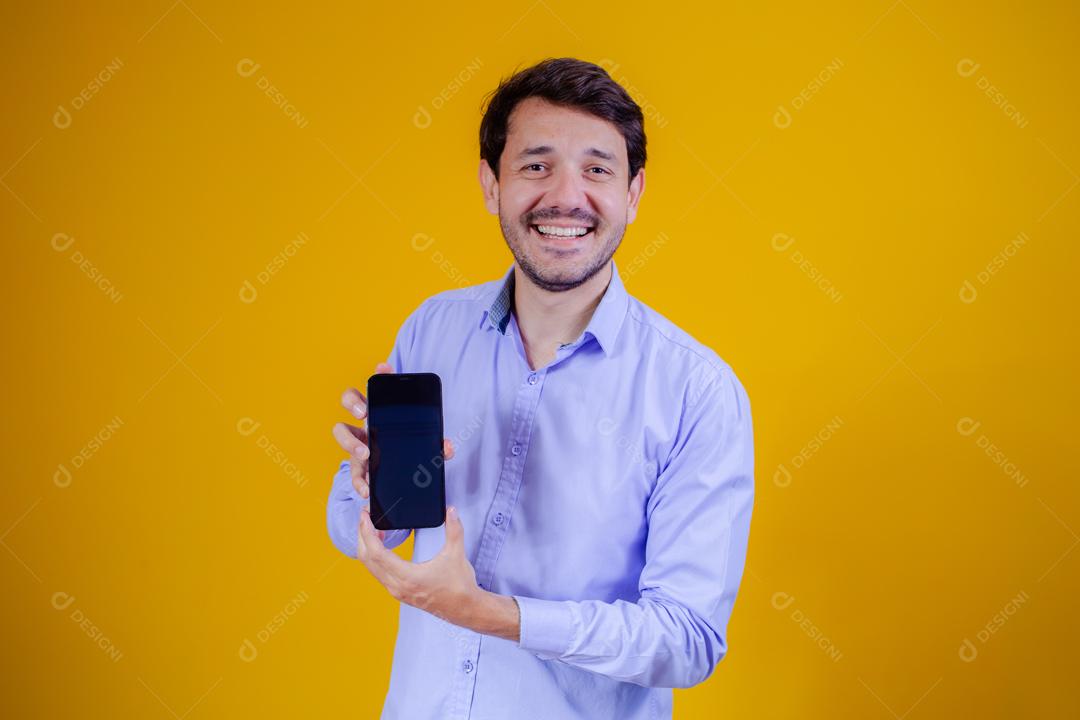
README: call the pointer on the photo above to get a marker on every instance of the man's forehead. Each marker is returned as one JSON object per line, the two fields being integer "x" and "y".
{"x": 537, "y": 127}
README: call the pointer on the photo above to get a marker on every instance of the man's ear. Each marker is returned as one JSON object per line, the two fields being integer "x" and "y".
{"x": 633, "y": 195}
{"x": 490, "y": 186}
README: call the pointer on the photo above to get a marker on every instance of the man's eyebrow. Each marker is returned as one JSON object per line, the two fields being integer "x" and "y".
{"x": 547, "y": 150}
{"x": 536, "y": 150}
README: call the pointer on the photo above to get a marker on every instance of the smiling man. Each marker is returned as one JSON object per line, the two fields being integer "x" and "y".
{"x": 600, "y": 479}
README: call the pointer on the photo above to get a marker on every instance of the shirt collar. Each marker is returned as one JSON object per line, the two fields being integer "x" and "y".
{"x": 604, "y": 325}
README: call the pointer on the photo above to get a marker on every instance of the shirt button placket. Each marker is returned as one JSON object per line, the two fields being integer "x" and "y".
{"x": 495, "y": 531}
{"x": 466, "y": 681}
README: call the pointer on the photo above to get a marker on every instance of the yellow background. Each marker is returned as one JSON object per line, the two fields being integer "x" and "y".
{"x": 893, "y": 541}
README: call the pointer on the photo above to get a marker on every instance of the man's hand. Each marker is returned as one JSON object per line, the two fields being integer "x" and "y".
{"x": 353, "y": 440}
{"x": 444, "y": 586}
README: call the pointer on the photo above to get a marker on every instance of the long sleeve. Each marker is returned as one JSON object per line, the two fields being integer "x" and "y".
{"x": 344, "y": 505}
{"x": 343, "y": 515}
{"x": 698, "y": 526}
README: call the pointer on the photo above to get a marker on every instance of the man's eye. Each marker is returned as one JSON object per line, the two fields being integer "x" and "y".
{"x": 534, "y": 166}
{"x": 603, "y": 171}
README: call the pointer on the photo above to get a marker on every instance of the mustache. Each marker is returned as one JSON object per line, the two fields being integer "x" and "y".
{"x": 577, "y": 215}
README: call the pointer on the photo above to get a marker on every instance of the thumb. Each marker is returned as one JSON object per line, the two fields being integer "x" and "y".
{"x": 455, "y": 531}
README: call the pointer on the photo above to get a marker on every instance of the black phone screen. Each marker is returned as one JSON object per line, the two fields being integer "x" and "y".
{"x": 405, "y": 437}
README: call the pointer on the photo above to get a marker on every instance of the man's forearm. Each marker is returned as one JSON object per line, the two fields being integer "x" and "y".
{"x": 494, "y": 614}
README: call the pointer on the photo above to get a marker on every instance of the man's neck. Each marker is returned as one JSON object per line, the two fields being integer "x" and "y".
{"x": 549, "y": 319}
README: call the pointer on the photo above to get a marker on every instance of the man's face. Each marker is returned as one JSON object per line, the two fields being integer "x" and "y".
{"x": 563, "y": 196}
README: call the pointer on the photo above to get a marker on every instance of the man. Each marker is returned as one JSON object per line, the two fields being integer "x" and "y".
{"x": 600, "y": 482}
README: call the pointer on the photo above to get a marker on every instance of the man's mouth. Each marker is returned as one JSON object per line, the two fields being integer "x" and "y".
{"x": 562, "y": 231}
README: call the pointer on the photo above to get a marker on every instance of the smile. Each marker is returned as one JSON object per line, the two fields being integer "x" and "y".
{"x": 562, "y": 232}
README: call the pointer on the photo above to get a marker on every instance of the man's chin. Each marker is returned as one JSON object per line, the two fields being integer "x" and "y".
{"x": 559, "y": 279}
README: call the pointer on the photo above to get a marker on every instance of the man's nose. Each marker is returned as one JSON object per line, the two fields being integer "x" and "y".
{"x": 567, "y": 191}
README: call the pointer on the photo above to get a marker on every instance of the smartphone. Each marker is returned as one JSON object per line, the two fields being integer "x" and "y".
{"x": 405, "y": 436}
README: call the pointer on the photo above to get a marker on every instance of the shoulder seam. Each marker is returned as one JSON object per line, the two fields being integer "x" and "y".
{"x": 437, "y": 299}
{"x": 716, "y": 364}
{"x": 450, "y": 295}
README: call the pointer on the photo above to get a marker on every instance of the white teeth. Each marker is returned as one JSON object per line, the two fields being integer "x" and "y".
{"x": 561, "y": 231}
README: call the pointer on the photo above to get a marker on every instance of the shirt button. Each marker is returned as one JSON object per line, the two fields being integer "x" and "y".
{"x": 516, "y": 450}
{"x": 467, "y": 666}
{"x": 532, "y": 379}
{"x": 498, "y": 519}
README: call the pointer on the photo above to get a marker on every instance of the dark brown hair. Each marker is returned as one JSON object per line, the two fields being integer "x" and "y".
{"x": 571, "y": 83}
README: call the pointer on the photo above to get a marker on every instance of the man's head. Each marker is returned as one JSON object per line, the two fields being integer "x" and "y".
{"x": 562, "y": 148}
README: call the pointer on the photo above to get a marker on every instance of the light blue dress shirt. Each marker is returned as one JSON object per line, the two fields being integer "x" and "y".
{"x": 608, "y": 492}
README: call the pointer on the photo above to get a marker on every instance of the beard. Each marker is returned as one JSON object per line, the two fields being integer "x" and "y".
{"x": 555, "y": 269}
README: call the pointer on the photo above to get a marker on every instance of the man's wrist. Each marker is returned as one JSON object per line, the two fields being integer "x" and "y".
{"x": 494, "y": 614}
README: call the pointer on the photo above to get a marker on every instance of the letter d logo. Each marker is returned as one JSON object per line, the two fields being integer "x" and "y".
{"x": 246, "y": 426}
{"x": 781, "y": 242}
{"x": 968, "y": 293}
{"x": 422, "y": 478}
{"x": 966, "y": 67}
{"x": 61, "y": 242}
{"x": 781, "y": 118}
{"x": 248, "y": 652}
{"x": 62, "y": 477}
{"x": 61, "y": 118}
{"x": 966, "y": 426}
{"x": 421, "y": 239}
{"x": 782, "y": 600}
{"x": 247, "y": 67}
{"x": 248, "y": 293}
{"x": 782, "y": 476}
{"x": 62, "y": 601}
{"x": 422, "y": 118}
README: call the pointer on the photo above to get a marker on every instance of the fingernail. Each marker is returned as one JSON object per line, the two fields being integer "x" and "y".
{"x": 358, "y": 409}
{"x": 452, "y": 510}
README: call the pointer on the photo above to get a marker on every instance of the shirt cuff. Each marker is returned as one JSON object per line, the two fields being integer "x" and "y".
{"x": 547, "y": 626}
{"x": 344, "y": 515}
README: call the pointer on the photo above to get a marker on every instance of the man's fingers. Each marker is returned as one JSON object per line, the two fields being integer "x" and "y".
{"x": 384, "y": 563}
{"x": 455, "y": 532}
{"x": 357, "y": 445}
{"x": 361, "y": 546}
{"x": 354, "y": 401}
{"x": 358, "y": 469}
{"x": 358, "y": 476}
{"x": 368, "y": 537}
{"x": 352, "y": 440}
{"x": 447, "y": 448}
{"x": 381, "y": 534}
